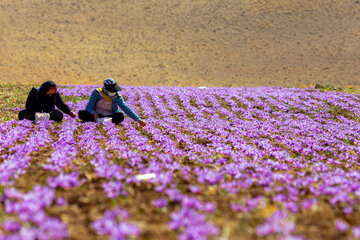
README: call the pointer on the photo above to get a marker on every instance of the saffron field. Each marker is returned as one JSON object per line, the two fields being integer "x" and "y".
{"x": 227, "y": 163}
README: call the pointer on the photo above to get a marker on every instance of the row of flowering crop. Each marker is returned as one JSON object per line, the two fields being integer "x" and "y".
{"x": 273, "y": 154}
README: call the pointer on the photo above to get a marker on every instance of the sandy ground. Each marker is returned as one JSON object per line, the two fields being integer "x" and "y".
{"x": 292, "y": 43}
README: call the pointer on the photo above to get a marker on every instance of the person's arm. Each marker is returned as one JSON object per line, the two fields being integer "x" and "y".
{"x": 30, "y": 104}
{"x": 94, "y": 98}
{"x": 121, "y": 103}
{"x": 61, "y": 105}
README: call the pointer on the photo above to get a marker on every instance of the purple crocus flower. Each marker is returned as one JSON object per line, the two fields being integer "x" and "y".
{"x": 308, "y": 203}
{"x": 277, "y": 223}
{"x": 356, "y": 231}
{"x": 113, "y": 189}
{"x": 11, "y": 226}
{"x": 109, "y": 225}
{"x": 65, "y": 180}
{"x": 30, "y": 208}
{"x": 194, "y": 188}
{"x": 252, "y": 203}
{"x": 194, "y": 223}
{"x": 341, "y": 225}
{"x": 160, "y": 203}
{"x": 209, "y": 176}
{"x": 61, "y": 201}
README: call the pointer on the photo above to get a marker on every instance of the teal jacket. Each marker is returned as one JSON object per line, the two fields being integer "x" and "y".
{"x": 117, "y": 102}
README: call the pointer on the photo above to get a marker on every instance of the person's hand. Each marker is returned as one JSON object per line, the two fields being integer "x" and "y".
{"x": 142, "y": 122}
{"x": 72, "y": 114}
{"x": 96, "y": 116}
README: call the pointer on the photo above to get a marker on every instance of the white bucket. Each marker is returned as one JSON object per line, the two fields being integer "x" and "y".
{"x": 103, "y": 120}
{"x": 41, "y": 117}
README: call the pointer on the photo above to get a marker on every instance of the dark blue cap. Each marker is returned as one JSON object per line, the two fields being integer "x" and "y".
{"x": 111, "y": 85}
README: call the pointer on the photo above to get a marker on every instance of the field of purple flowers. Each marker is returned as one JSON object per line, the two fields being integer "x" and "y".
{"x": 225, "y": 163}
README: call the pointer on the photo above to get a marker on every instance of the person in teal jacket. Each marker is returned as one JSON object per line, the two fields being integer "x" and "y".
{"x": 105, "y": 102}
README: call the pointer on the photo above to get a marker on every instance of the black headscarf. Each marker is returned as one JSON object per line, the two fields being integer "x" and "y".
{"x": 44, "y": 88}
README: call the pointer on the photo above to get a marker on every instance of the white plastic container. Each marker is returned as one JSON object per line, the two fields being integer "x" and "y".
{"x": 41, "y": 117}
{"x": 144, "y": 177}
{"x": 103, "y": 120}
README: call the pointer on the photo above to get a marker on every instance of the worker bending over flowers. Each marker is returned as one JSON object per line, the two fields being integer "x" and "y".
{"x": 43, "y": 100}
{"x": 105, "y": 102}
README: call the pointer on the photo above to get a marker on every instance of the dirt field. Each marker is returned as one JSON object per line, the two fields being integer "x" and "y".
{"x": 292, "y": 43}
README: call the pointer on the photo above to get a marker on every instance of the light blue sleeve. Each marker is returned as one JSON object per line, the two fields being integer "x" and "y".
{"x": 94, "y": 98}
{"x": 127, "y": 110}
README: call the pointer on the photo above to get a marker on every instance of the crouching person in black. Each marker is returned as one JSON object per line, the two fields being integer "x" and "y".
{"x": 43, "y": 100}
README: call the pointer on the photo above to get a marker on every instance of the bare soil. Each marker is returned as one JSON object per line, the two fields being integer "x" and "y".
{"x": 290, "y": 43}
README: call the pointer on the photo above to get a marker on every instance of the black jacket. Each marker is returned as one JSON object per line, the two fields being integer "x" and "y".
{"x": 39, "y": 101}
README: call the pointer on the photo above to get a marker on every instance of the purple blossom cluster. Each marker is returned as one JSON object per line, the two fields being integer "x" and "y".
{"x": 18, "y": 158}
{"x": 27, "y": 218}
{"x": 278, "y": 223}
{"x": 114, "y": 189}
{"x": 249, "y": 205}
{"x": 343, "y": 226}
{"x": 114, "y": 223}
{"x": 11, "y": 134}
{"x": 64, "y": 149}
{"x": 298, "y": 146}
{"x": 66, "y": 181}
{"x": 194, "y": 223}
